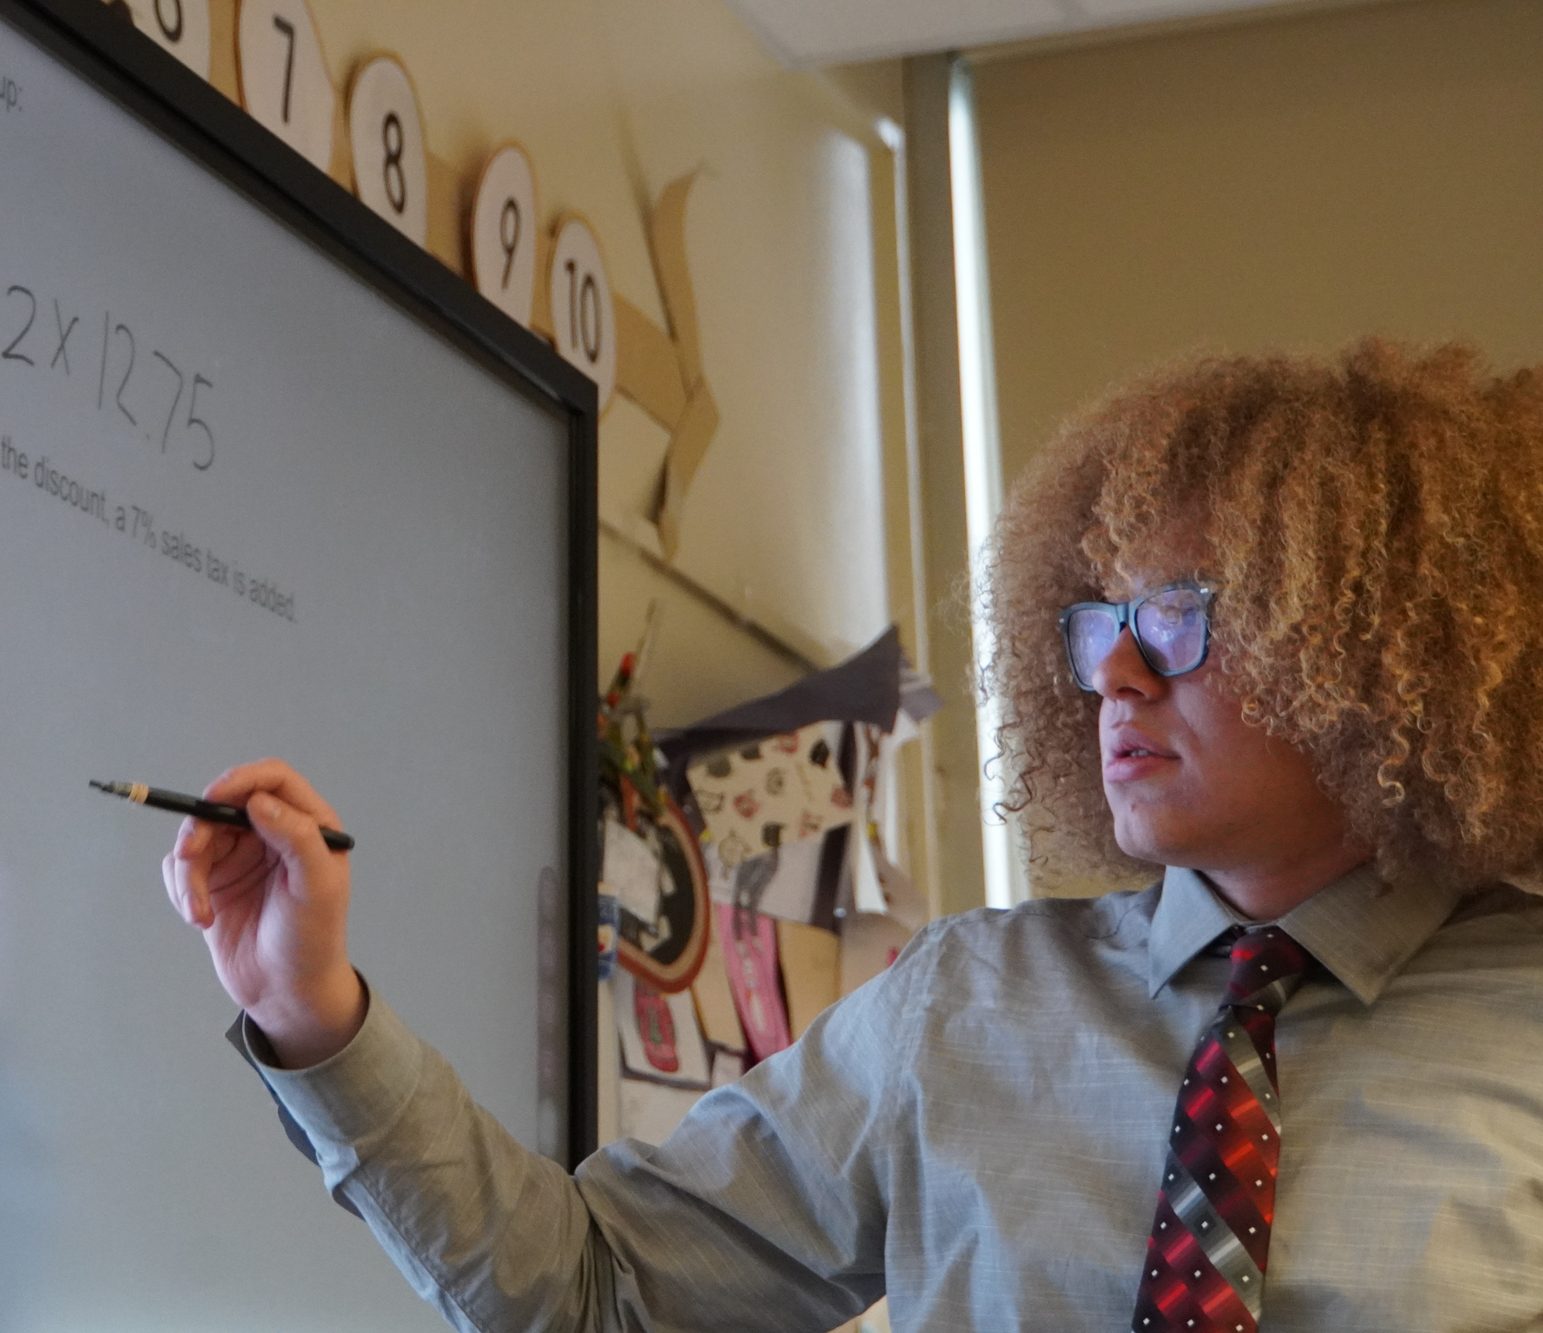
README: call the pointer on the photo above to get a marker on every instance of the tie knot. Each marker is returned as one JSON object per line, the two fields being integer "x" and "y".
{"x": 1267, "y": 966}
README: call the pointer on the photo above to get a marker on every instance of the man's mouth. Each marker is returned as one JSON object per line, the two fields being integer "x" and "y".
{"x": 1131, "y": 763}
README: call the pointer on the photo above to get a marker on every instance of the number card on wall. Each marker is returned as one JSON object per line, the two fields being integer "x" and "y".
{"x": 179, "y": 26}
{"x": 391, "y": 173}
{"x": 503, "y": 233}
{"x": 284, "y": 80}
{"x": 583, "y": 317}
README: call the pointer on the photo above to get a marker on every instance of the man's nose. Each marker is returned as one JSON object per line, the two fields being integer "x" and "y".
{"x": 1124, "y": 671}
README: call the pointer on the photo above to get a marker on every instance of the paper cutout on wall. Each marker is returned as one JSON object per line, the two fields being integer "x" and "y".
{"x": 772, "y": 793}
{"x": 797, "y": 883}
{"x": 694, "y": 429}
{"x": 864, "y": 688}
{"x": 728, "y": 1067}
{"x": 714, "y": 999}
{"x": 631, "y": 869}
{"x": 660, "y": 1038}
{"x": 750, "y": 952}
{"x": 666, "y": 949}
{"x": 652, "y": 1111}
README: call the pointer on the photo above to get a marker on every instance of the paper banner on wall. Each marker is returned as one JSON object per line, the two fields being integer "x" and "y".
{"x": 772, "y": 793}
{"x": 879, "y": 885}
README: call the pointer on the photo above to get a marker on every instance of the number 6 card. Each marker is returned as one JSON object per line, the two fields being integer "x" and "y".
{"x": 179, "y": 26}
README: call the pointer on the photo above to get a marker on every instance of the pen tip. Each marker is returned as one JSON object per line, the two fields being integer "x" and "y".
{"x": 100, "y": 786}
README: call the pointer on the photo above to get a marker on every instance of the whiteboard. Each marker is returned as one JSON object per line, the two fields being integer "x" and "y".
{"x": 271, "y": 482}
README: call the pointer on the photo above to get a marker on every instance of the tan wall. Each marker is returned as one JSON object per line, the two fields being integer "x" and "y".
{"x": 1293, "y": 182}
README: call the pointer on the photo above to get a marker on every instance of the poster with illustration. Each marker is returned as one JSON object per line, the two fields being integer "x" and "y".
{"x": 772, "y": 793}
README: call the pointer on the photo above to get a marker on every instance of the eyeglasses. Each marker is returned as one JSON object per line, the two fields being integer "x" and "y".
{"x": 1171, "y": 626}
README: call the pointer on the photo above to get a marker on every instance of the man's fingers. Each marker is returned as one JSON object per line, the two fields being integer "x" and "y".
{"x": 208, "y": 861}
{"x": 187, "y": 887}
{"x": 192, "y": 840}
{"x": 236, "y": 786}
{"x": 292, "y": 832}
{"x": 247, "y": 863}
{"x": 186, "y": 872}
{"x": 214, "y": 868}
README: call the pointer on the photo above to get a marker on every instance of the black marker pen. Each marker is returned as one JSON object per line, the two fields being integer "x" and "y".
{"x": 182, "y": 804}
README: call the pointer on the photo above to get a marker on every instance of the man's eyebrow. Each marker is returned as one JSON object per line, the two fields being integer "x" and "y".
{"x": 1149, "y": 585}
{"x": 1128, "y": 592}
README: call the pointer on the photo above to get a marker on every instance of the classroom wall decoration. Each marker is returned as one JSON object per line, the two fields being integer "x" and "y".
{"x": 504, "y": 210}
{"x": 182, "y": 27}
{"x": 652, "y": 872}
{"x": 385, "y": 140}
{"x": 284, "y": 84}
{"x": 786, "y": 795}
{"x": 268, "y": 55}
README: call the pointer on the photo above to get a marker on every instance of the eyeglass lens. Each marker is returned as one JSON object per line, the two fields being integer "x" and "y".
{"x": 1170, "y": 626}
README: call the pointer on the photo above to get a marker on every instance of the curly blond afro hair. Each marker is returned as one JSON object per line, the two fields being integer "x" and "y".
{"x": 1375, "y": 524}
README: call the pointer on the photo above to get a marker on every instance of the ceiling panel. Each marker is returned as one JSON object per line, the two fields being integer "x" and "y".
{"x": 808, "y": 33}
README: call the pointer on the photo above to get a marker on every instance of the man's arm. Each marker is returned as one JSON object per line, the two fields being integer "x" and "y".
{"x": 766, "y": 1210}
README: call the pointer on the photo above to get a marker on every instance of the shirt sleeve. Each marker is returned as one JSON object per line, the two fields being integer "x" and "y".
{"x": 765, "y": 1210}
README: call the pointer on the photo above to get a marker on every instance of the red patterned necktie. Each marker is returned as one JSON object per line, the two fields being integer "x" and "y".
{"x": 1207, "y": 1252}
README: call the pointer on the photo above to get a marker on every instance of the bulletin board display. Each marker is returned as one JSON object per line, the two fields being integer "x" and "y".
{"x": 272, "y": 481}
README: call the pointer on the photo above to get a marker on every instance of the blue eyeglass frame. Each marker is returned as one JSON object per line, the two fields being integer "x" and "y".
{"x": 1124, "y": 614}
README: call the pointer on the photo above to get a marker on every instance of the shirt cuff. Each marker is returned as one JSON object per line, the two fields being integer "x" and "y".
{"x": 359, "y": 1091}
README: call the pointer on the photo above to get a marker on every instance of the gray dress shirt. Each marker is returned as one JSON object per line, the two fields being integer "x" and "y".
{"x": 978, "y": 1132}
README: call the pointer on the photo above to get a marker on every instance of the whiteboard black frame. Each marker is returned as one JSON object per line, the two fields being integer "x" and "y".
{"x": 103, "y": 47}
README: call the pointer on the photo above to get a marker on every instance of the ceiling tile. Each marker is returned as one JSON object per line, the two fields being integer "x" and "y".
{"x": 824, "y": 32}
{"x": 806, "y": 33}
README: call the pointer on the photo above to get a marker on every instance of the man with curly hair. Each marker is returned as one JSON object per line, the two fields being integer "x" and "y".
{"x": 1275, "y": 616}
{"x": 1377, "y": 528}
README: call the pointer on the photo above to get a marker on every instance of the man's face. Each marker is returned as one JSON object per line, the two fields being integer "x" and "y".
{"x": 1210, "y": 792}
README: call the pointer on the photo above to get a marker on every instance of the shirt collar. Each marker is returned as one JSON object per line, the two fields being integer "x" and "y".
{"x": 1361, "y": 930}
